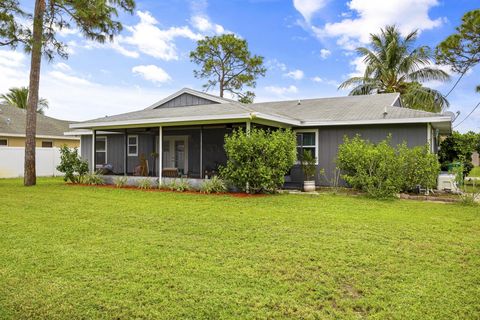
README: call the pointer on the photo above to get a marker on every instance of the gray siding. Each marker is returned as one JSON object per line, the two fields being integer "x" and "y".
{"x": 86, "y": 150}
{"x": 186, "y": 99}
{"x": 331, "y": 137}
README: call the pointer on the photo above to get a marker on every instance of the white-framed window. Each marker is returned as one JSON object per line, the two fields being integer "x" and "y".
{"x": 132, "y": 145}
{"x": 307, "y": 140}
{"x": 101, "y": 150}
{"x": 3, "y": 142}
{"x": 47, "y": 144}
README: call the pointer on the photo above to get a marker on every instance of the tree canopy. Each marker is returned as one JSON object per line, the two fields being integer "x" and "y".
{"x": 461, "y": 50}
{"x": 17, "y": 97}
{"x": 227, "y": 63}
{"x": 393, "y": 64}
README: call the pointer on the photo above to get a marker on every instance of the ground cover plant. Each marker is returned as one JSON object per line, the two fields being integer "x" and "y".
{"x": 72, "y": 252}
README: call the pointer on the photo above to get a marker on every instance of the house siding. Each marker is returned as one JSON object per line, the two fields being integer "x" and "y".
{"x": 186, "y": 99}
{"x": 329, "y": 139}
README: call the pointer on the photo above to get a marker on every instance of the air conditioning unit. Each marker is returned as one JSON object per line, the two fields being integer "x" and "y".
{"x": 446, "y": 182}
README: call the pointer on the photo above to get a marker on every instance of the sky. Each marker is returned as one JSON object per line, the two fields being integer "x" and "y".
{"x": 308, "y": 48}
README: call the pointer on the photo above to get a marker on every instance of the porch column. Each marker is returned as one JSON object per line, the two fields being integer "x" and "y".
{"x": 94, "y": 141}
{"x": 247, "y": 187}
{"x": 201, "y": 152}
{"x": 160, "y": 155}
{"x": 248, "y": 126}
{"x": 125, "y": 156}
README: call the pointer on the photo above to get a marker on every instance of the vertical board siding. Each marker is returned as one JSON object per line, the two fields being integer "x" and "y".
{"x": 186, "y": 99}
{"x": 330, "y": 138}
{"x": 86, "y": 150}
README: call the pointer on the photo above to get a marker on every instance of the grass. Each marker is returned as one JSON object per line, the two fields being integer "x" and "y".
{"x": 475, "y": 172}
{"x": 70, "y": 252}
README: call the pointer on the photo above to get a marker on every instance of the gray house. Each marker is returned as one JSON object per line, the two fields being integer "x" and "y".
{"x": 183, "y": 134}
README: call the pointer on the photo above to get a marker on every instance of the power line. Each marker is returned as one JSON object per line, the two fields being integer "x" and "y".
{"x": 458, "y": 80}
{"x": 478, "y": 104}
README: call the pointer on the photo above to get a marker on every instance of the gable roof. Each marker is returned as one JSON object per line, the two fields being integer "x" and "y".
{"x": 368, "y": 109}
{"x": 205, "y": 96}
{"x": 13, "y": 123}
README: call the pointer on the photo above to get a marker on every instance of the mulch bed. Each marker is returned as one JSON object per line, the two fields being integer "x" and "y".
{"x": 428, "y": 198}
{"x": 233, "y": 194}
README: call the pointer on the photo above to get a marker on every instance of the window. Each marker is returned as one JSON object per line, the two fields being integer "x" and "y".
{"x": 132, "y": 145}
{"x": 101, "y": 150}
{"x": 3, "y": 142}
{"x": 47, "y": 144}
{"x": 306, "y": 141}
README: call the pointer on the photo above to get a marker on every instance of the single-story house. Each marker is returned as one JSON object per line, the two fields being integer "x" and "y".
{"x": 50, "y": 131}
{"x": 183, "y": 134}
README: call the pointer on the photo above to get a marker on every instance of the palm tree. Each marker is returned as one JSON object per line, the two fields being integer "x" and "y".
{"x": 393, "y": 65}
{"x": 17, "y": 97}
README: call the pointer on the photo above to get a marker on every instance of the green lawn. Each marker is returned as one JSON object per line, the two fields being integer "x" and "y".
{"x": 475, "y": 172}
{"x": 70, "y": 252}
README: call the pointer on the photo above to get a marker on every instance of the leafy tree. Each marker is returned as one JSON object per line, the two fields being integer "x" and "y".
{"x": 257, "y": 161}
{"x": 461, "y": 50}
{"x": 459, "y": 147}
{"x": 74, "y": 168}
{"x": 393, "y": 65}
{"x": 227, "y": 63}
{"x": 94, "y": 19}
{"x": 18, "y": 97}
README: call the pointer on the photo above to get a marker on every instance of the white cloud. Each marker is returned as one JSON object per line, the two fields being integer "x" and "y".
{"x": 275, "y": 64}
{"x": 62, "y": 67}
{"x": 371, "y": 15}
{"x": 68, "y": 79}
{"x": 11, "y": 58}
{"x": 308, "y": 8}
{"x": 359, "y": 67}
{"x": 203, "y": 24}
{"x": 295, "y": 74}
{"x": 317, "y": 79}
{"x": 149, "y": 39}
{"x": 152, "y": 73}
{"x": 325, "y": 53}
{"x": 281, "y": 90}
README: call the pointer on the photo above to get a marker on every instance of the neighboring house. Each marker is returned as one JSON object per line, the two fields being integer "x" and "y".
{"x": 49, "y": 137}
{"x": 50, "y": 131}
{"x": 188, "y": 127}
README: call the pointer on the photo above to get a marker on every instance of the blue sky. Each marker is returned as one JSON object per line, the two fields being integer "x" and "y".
{"x": 308, "y": 46}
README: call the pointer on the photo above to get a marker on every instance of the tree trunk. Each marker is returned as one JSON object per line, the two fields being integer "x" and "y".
{"x": 32, "y": 103}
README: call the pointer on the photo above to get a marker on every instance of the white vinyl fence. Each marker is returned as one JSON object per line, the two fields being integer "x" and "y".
{"x": 12, "y": 161}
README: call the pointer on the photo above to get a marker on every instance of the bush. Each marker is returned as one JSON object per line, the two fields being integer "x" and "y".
{"x": 144, "y": 183}
{"x": 382, "y": 170}
{"x": 180, "y": 185}
{"x": 420, "y": 167}
{"x": 214, "y": 185}
{"x": 120, "y": 181}
{"x": 72, "y": 165}
{"x": 369, "y": 167}
{"x": 258, "y": 161}
{"x": 92, "y": 179}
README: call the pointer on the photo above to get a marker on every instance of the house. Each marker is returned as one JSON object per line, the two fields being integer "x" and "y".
{"x": 188, "y": 127}
{"x": 50, "y": 131}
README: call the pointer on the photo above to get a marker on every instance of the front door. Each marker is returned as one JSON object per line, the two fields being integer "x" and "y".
{"x": 175, "y": 153}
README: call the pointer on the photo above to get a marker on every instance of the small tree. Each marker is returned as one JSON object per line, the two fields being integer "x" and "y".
{"x": 18, "y": 97}
{"x": 227, "y": 63}
{"x": 72, "y": 165}
{"x": 309, "y": 167}
{"x": 459, "y": 147}
{"x": 259, "y": 159}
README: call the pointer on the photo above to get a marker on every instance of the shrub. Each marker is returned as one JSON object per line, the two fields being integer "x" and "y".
{"x": 420, "y": 167}
{"x": 258, "y": 161}
{"x": 144, "y": 183}
{"x": 369, "y": 167}
{"x": 180, "y": 185}
{"x": 309, "y": 167}
{"x": 214, "y": 185}
{"x": 120, "y": 181}
{"x": 73, "y": 167}
{"x": 92, "y": 179}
